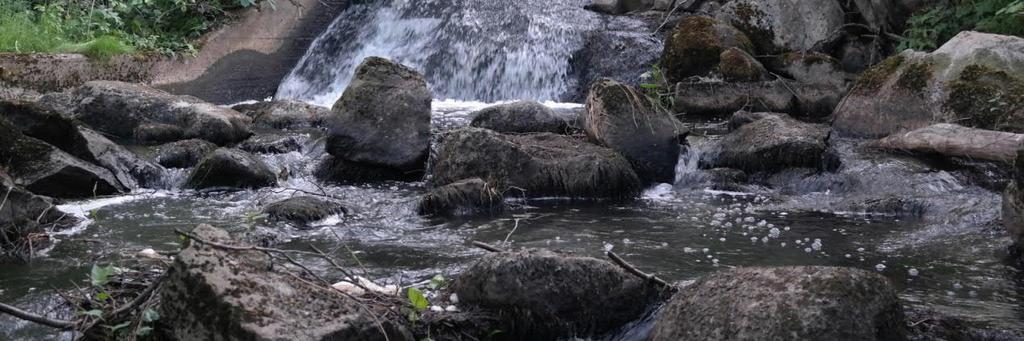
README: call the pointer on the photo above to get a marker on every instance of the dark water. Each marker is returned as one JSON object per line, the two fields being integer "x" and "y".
{"x": 947, "y": 259}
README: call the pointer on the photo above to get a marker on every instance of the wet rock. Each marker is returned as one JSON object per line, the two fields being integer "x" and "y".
{"x": 768, "y": 143}
{"x": 622, "y": 52}
{"x": 463, "y": 197}
{"x": 70, "y": 136}
{"x": 44, "y": 169}
{"x": 303, "y": 210}
{"x": 520, "y": 117}
{"x": 271, "y": 144}
{"x": 931, "y": 325}
{"x": 382, "y": 118}
{"x": 24, "y": 213}
{"x": 737, "y": 65}
{"x": 785, "y": 303}
{"x": 889, "y": 15}
{"x": 975, "y": 79}
{"x": 543, "y": 295}
{"x": 211, "y": 293}
{"x": 810, "y": 68}
{"x": 694, "y": 48}
{"x": 338, "y": 170}
{"x": 621, "y": 118}
{"x": 1013, "y": 205}
{"x": 809, "y": 101}
{"x": 184, "y": 153}
{"x": 542, "y": 164}
{"x": 231, "y": 168}
{"x": 284, "y": 114}
{"x": 130, "y": 110}
{"x": 619, "y": 6}
{"x": 782, "y": 25}
{"x": 951, "y": 140}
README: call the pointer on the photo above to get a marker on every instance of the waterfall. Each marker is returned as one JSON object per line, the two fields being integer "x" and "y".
{"x": 484, "y": 50}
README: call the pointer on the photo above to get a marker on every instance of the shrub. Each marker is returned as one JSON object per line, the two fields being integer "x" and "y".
{"x": 933, "y": 26}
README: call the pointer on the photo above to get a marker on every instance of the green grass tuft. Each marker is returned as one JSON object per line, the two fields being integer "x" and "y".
{"x": 101, "y": 48}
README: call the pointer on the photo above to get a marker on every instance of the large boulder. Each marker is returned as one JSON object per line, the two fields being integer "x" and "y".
{"x": 623, "y": 119}
{"x": 231, "y": 168}
{"x": 212, "y": 293}
{"x": 542, "y": 295}
{"x": 541, "y": 164}
{"x": 622, "y": 50}
{"x": 768, "y": 142}
{"x": 776, "y": 26}
{"x": 464, "y": 197}
{"x": 784, "y": 303}
{"x": 284, "y": 114}
{"x": 520, "y": 117}
{"x": 813, "y": 68}
{"x": 130, "y": 110}
{"x": 695, "y": 46}
{"x": 44, "y": 169}
{"x": 703, "y": 98}
{"x": 70, "y": 136}
{"x": 951, "y": 140}
{"x": 382, "y": 118}
{"x": 303, "y": 210}
{"x": 184, "y": 153}
{"x": 975, "y": 79}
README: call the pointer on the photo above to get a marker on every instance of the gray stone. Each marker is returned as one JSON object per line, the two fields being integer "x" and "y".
{"x": 231, "y": 168}
{"x": 464, "y": 197}
{"x": 695, "y": 46}
{"x": 284, "y": 114}
{"x": 784, "y": 303}
{"x": 520, "y": 117}
{"x": 768, "y": 143}
{"x": 700, "y": 98}
{"x": 184, "y": 153}
{"x": 271, "y": 144}
{"x": 783, "y": 25}
{"x": 303, "y": 209}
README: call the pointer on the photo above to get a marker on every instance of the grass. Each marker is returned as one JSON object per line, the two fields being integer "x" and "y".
{"x": 22, "y": 31}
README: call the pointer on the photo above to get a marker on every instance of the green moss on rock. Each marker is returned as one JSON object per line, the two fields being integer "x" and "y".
{"x": 748, "y": 20}
{"x": 738, "y": 66}
{"x": 695, "y": 45}
{"x": 873, "y": 78}
{"x": 983, "y": 97}
{"x": 916, "y": 77}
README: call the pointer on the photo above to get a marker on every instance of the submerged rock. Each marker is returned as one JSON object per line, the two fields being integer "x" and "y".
{"x": 271, "y": 144}
{"x": 520, "y": 117}
{"x": 211, "y": 293}
{"x": 284, "y": 114}
{"x": 130, "y": 110}
{"x": 541, "y": 164}
{"x": 44, "y": 169}
{"x": 303, "y": 210}
{"x": 382, "y": 118}
{"x": 231, "y": 168}
{"x": 768, "y": 142}
{"x": 701, "y": 98}
{"x": 695, "y": 46}
{"x": 184, "y": 153}
{"x": 621, "y": 118}
{"x": 975, "y": 79}
{"x": 467, "y": 196}
{"x": 781, "y": 25}
{"x": 543, "y": 295}
{"x": 952, "y": 140}
{"x": 785, "y": 303}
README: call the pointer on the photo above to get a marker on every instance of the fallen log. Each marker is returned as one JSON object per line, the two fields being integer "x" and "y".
{"x": 954, "y": 140}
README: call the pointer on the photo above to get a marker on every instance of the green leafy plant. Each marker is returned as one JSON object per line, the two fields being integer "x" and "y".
{"x": 933, "y": 26}
{"x": 100, "y": 276}
{"x": 437, "y": 282}
{"x": 658, "y": 89}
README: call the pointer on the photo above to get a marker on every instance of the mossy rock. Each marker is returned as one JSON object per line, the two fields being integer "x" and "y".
{"x": 987, "y": 98}
{"x": 736, "y": 65}
{"x": 776, "y": 26}
{"x": 694, "y": 48}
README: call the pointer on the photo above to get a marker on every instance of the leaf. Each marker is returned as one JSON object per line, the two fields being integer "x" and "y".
{"x": 94, "y": 313}
{"x": 436, "y": 282}
{"x": 649, "y": 86}
{"x": 150, "y": 315}
{"x": 103, "y": 296}
{"x": 418, "y": 301}
{"x": 119, "y": 326}
{"x": 100, "y": 276}
{"x": 143, "y": 331}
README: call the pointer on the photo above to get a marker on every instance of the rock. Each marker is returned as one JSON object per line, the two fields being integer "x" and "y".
{"x": 776, "y": 26}
{"x": 952, "y": 140}
{"x": 136, "y": 111}
{"x": 463, "y": 197}
{"x": 382, "y": 118}
{"x": 975, "y": 79}
{"x": 813, "y": 68}
{"x": 231, "y": 168}
{"x": 303, "y": 210}
{"x": 616, "y": 7}
{"x": 520, "y": 117}
{"x": 44, "y": 169}
{"x": 621, "y": 51}
{"x": 184, "y": 153}
{"x": 784, "y": 303}
{"x": 715, "y": 98}
{"x": 621, "y": 118}
{"x": 1013, "y": 204}
{"x": 664, "y": 5}
{"x": 695, "y": 46}
{"x": 210, "y": 293}
{"x": 889, "y": 15}
{"x": 284, "y": 114}
{"x": 937, "y": 326}
{"x": 770, "y": 142}
{"x": 722, "y": 179}
{"x": 542, "y": 164}
{"x": 541, "y": 295}
{"x": 338, "y": 170}
{"x": 24, "y": 213}
{"x": 736, "y": 65}
{"x": 84, "y": 143}
{"x": 271, "y": 144}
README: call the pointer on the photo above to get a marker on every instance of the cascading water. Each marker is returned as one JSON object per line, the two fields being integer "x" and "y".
{"x": 485, "y": 50}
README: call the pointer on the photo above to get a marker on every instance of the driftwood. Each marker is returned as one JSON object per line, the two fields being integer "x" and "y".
{"x": 954, "y": 140}
{"x": 633, "y": 270}
{"x": 488, "y": 247}
{"x": 35, "y": 318}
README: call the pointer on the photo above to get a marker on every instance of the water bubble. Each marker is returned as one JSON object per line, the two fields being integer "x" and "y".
{"x": 749, "y": 219}
{"x": 608, "y": 247}
{"x": 721, "y": 239}
{"x": 774, "y": 233}
{"x": 860, "y": 249}
{"x": 807, "y": 249}
{"x": 848, "y": 255}
{"x": 786, "y": 228}
{"x": 753, "y": 239}
{"x": 762, "y": 223}
{"x": 912, "y": 272}
{"x": 689, "y": 250}
{"x": 783, "y": 244}
{"x": 958, "y": 286}
{"x": 705, "y": 250}
{"x": 816, "y": 245}
{"x": 880, "y": 267}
